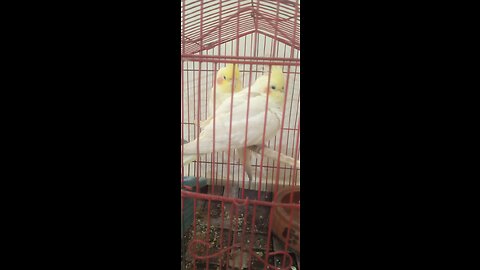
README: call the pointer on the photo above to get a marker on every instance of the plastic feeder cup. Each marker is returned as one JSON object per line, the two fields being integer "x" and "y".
{"x": 187, "y": 217}
{"x": 281, "y": 219}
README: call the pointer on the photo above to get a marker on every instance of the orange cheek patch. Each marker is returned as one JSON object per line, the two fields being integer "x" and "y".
{"x": 219, "y": 80}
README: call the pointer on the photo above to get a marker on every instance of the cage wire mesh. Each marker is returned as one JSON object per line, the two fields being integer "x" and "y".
{"x": 228, "y": 221}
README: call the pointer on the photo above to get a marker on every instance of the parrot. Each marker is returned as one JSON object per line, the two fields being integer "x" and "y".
{"x": 222, "y": 91}
{"x": 245, "y": 154}
{"x": 263, "y": 86}
{"x": 226, "y": 76}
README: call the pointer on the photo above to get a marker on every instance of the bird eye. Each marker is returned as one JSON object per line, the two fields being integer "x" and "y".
{"x": 224, "y": 77}
{"x": 273, "y": 87}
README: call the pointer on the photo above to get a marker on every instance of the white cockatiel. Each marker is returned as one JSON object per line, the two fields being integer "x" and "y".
{"x": 263, "y": 86}
{"x": 227, "y": 77}
{"x": 227, "y": 81}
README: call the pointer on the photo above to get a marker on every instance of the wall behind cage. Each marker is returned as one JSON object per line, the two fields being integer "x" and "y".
{"x": 253, "y": 45}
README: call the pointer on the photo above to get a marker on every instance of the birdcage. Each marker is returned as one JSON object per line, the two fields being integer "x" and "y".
{"x": 233, "y": 218}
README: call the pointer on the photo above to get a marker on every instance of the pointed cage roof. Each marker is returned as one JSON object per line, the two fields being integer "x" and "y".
{"x": 209, "y": 23}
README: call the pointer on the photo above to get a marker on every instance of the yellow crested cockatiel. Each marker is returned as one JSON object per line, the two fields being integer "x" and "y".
{"x": 226, "y": 77}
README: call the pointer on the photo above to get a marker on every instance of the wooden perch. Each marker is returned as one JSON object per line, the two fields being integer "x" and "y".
{"x": 270, "y": 153}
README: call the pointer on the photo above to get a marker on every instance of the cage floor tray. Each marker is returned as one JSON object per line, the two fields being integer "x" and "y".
{"x": 235, "y": 227}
